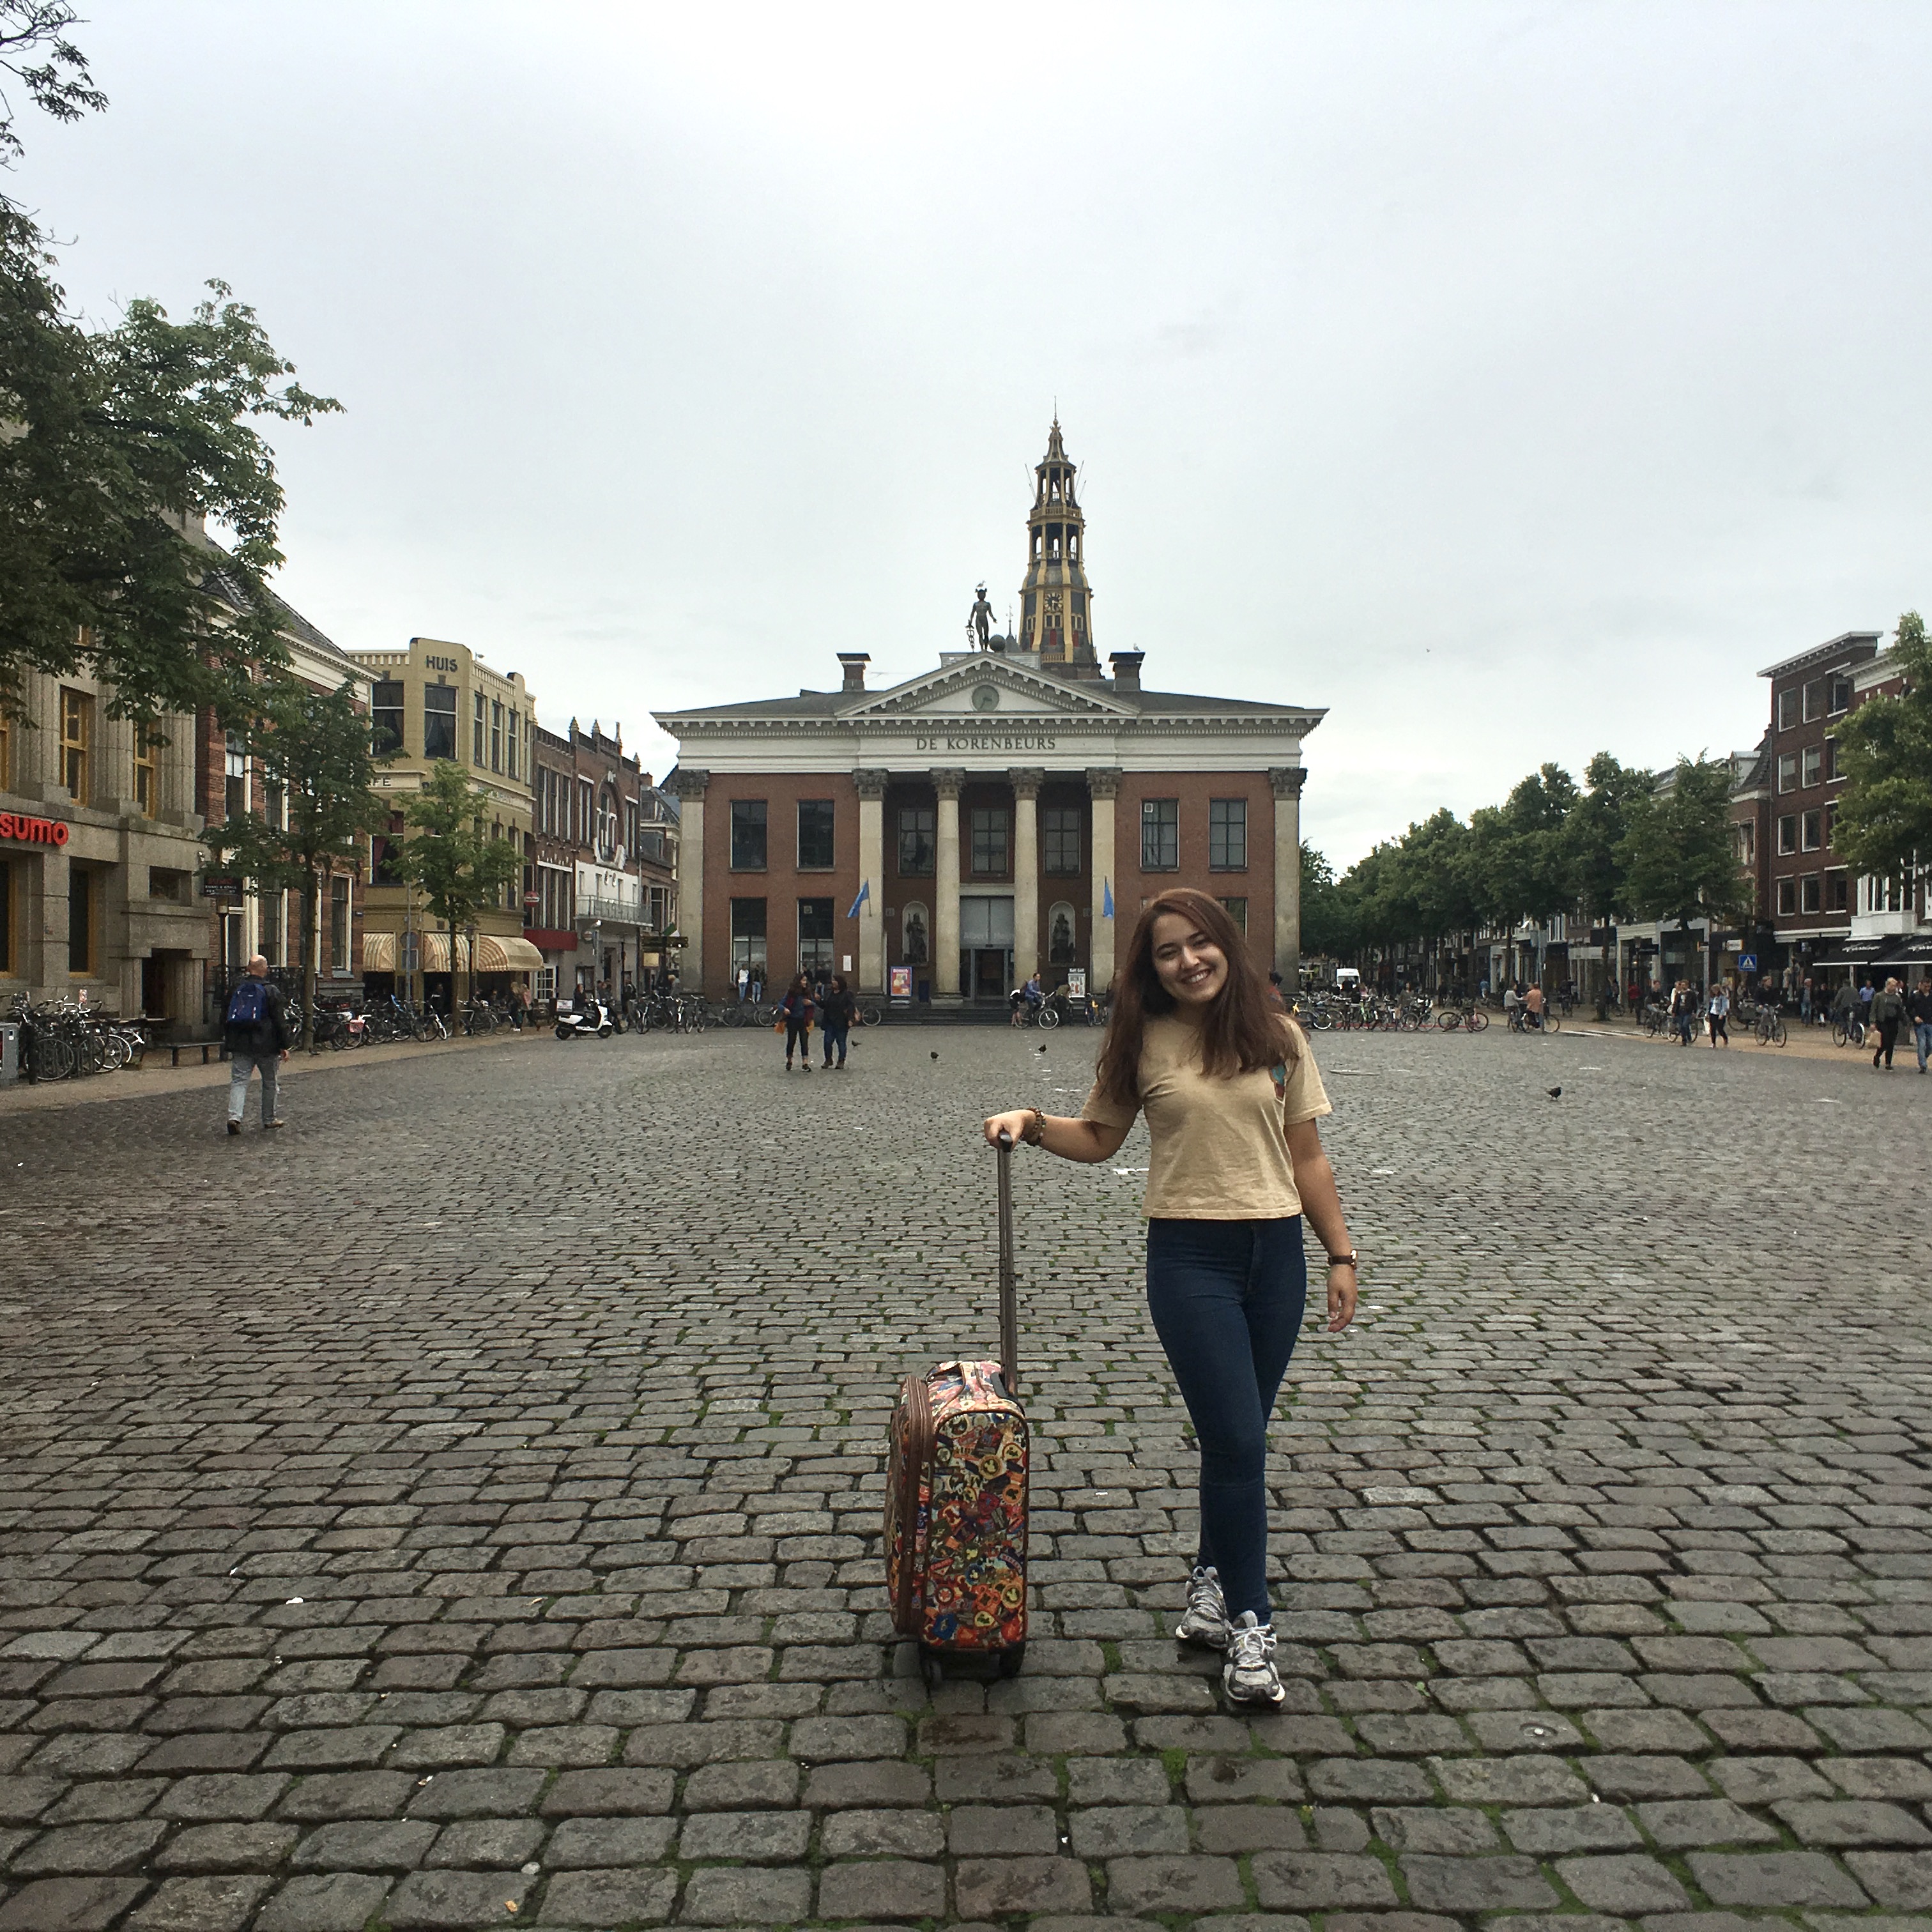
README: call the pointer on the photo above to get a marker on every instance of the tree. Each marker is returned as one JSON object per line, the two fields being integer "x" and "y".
{"x": 1679, "y": 857}
{"x": 1884, "y": 822}
{"x": 314, "y": 748}
{"x": 116, "y": 445}
{"x": 1325, "y": 924}
{"x": 459, "y": 868}
{"x": 1595, "y": 830}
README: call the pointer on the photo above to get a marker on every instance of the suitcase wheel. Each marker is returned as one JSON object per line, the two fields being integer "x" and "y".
{"x": 932, "y": 1668}
{"x": 1010, "y": 1660}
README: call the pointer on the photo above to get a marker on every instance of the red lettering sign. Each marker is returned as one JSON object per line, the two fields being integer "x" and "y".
{"x": 33, "y": 831}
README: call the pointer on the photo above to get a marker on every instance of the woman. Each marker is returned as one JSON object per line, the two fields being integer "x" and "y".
{"x": 835, "y": 1017}
{"x": 1719, "y": 1013}
{"x": 1888, "y": 1011}
{"x": 1231, "y": 1096}
{"x": 795, "y": 1012}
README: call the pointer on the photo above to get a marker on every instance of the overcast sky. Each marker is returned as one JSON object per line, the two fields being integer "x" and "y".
{"x": 1515, "y": 381}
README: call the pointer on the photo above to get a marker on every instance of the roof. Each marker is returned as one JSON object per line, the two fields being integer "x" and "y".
{"x": 835, "y": 703}
{"x": 1821, "y": 655}
{"x": 288, "y": 620}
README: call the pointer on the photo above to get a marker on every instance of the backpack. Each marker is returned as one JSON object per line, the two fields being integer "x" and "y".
{"x": 248, "y": 1004}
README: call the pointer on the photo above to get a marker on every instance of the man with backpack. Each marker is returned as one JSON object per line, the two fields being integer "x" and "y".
{"x": 256, "y": 1032}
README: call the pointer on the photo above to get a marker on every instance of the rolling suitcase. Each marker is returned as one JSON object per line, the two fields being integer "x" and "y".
{"x": 956, "y": 1495}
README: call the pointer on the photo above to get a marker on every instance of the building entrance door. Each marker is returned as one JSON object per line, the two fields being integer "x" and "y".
{"x": 985, "y": 946}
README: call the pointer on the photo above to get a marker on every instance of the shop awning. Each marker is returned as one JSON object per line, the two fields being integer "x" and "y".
{"x": 506, "y": 955}
{"x": 1897, "y": 949}
{"x": 378, "y": 952}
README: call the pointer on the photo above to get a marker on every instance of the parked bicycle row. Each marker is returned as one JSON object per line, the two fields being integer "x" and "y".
{"x": 61, "y": 1039}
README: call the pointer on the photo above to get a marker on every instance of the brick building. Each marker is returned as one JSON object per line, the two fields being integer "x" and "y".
{"x": 600, "y": 895}
{"x": 1002, "y": 812}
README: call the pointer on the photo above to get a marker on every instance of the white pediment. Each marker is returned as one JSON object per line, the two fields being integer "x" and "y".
{"x": 989, "y": 687}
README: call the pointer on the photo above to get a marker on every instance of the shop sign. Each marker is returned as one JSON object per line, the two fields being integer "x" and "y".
{"x": 221, "y": 888}
{"x": 901, "y": 982}
{"x": 1076, "y": 983}
{"x": 33, "y": 831}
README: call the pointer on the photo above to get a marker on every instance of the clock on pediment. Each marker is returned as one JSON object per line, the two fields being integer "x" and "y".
{"x": 1053, "y": 600}
{"x": 985, "y": 698}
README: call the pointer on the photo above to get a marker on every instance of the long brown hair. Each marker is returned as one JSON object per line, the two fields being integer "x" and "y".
{"x": 1239, "y": 1033}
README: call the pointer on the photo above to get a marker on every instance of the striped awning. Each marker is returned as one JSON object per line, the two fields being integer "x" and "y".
{"x": 494, "y": 954}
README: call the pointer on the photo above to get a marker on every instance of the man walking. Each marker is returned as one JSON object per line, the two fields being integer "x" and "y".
{"x": 1918, "y": 1009}
{"x": 1887, "y": 1014}
{"x": 256, "y": 1033}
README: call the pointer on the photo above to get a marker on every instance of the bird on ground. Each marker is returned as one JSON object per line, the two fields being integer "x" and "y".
{"x": 1556, "y": 1093}
{"x": 935, "y": 1056}
{"x": 1040, "y": 1049}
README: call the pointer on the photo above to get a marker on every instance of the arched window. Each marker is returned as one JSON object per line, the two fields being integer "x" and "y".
{"x": 915, "y": 950}
{"x": 1060, "y": 930}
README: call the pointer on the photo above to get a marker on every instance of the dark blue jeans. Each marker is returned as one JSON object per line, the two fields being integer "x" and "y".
{"x": 1226, "y": 1297}
{"x": 835, "y": 1037}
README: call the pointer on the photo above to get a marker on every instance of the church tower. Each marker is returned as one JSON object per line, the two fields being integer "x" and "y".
{"x": 1056, "y": 605}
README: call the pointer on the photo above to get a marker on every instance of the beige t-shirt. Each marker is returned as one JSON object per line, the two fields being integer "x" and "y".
{"x": 1219, "y": 1151}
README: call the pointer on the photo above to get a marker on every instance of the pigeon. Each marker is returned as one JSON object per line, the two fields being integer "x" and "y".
{"x": 1040, "y": 1049}
{"x": 935, "y": 1056}
{"x": 1556, "y": 1093}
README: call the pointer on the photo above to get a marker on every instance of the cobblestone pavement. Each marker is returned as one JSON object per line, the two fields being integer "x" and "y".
{"x": 462, "y": 1509}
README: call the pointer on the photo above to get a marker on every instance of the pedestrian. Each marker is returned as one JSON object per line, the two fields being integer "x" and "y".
{"x": 1718, "y": 1013}
{"x": 1805, "y": 1000}
{"x": 1845, "y": 1006}
{"x": 1919, "y": 1010}
{"x": 1510, "y": 1003}
{"x": 1888, "y": 1015}
{"x": 836, "y": 1018}
{"x": 795, "y": 1012}
{"x": 519, "y": 1005}
{"x": 256, "y": 1032}
{"x": 1231, "y": 1096}
{"x": 1276, "y": 999}
{"x": 744, "y": 980}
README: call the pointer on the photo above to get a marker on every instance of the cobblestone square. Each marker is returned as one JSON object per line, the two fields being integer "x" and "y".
{"x": 462, "y": 1508}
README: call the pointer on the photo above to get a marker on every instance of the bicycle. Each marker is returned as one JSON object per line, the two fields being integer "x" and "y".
{"x": 1522, "y": 1020}
{"x": 1044, "y": 1015}
{"x": 1471, "y": 1019}
{"x": 1767, "y": 1030}
{"x": 1849, "y": 1031}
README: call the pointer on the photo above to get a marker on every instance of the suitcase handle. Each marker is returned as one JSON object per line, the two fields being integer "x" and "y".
{"x": 1010, "y": 1317}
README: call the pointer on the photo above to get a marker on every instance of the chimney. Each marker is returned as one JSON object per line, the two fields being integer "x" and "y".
{"x": 852, "y": 664}
{"x": 1126, "y": 669}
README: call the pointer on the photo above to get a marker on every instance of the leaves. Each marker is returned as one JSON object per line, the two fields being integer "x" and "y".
{"x": 460, "y": 869}
{"x": 59, "y": 84}
{"x": 1679, "y": 859}
{"x": 1884, "y": 822}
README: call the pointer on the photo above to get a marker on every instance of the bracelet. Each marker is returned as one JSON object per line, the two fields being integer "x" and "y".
{"x": 1035, "y": 1134}
{"x": 1348, "y": 1260}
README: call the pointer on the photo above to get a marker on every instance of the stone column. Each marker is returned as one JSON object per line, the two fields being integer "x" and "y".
{"x": 945, "y": 887}
{"x": 1286, "y": 782}
{"x": 1103, "y": 788}
{"x": 1026, "y": 786}
{"x": 689, "y": 786}
{"x": 872, "y": 871}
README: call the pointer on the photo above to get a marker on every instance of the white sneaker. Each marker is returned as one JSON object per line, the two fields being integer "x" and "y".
{"x": 1205, "y": 1621}
{"x": 1248, "y": 1676}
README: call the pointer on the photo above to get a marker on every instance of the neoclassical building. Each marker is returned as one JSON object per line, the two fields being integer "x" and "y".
{"x": 1011, "y": 809}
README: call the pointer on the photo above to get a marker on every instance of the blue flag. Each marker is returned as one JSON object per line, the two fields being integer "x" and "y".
{"x": 865, "y": 893}
{"x": 1106, "y": 898}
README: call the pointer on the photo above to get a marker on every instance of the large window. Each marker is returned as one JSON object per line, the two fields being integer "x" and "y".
{"x": 1811, "y": 897}
{"x": 81, "y": 936}
{"x": 1787, "y": 710}
{"x": 1841, "y": 695}
{"x": 385, "y": 716}
{"x": 338, "y": 924}
{"x": 1237, "y": 910}
{"x": 147, "y": 769}
{"x": 1813, "y": 830}
{"x": 77, "y": 737}
{"x": 1787, "y": 898}
{"x": 814, "y": 935}
{"x": 439, "y": 720}
{"x": 496, "y": 736}
{"x": 916, "y": 833}
{"x": 1814, "y": 699}
{"x": 272, "y": 911}
{"x": 515, "y": 736}
{"x": 1787, "y": 833}
{"x": 1227, "y": 835}
{"x": 1837, "y": 891}
{"x": 476, "y": 734}
{"x": 990, "y": 840}
{"x": 747, "y": 935}
{"x": 1814, "y": 764}
{"x": 814, "y": 835}
{"x": 748, "y": 835}
{"x": 1160, "y": 835}
{"x": 586, "y": 828}
{"x": 234, "y": 777}
{"x": 1745, "y": 834}
{"x": 1061, "y": 828}
{"x": 1787, "y": 771}
{"x": 1831, "y": 771}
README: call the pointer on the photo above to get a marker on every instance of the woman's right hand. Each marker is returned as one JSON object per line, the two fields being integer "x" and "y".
{"x": 1014, "y": 1124}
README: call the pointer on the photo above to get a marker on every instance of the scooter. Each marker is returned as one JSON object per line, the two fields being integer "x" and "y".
{"x": 587, "y": 1020}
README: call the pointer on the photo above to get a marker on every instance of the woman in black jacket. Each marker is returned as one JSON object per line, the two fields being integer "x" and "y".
{"x": 836, "y": 1016}
{"x": 795, "y": 1012}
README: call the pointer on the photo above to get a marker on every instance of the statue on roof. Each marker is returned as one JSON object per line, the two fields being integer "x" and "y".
{"x": 979, "y": 625}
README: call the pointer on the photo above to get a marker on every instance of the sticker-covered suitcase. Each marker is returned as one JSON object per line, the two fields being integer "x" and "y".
{"x": 956, "y": 1496}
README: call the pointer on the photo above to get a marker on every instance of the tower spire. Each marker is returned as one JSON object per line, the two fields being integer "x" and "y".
{"x": 1056, "y": 602}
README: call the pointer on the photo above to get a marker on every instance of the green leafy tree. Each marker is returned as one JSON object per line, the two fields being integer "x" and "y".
{"x": 459, "y": 868}
{"x": 1884, "y": 822}
{"x": 1679, "y": 859}
{"x": 1325, "y": 923}
{"x": 314, "y": 749}
{"x": 1595, "y": 831}
{"x": 116, "y": 445}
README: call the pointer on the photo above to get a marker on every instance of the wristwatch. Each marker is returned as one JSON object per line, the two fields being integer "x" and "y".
{"x": 1349, "y": 1260}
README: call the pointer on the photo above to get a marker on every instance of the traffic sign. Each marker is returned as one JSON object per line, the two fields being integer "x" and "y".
{"x": 1747, "y": 962}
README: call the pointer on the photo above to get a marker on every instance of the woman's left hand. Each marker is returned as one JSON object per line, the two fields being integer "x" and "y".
{"x": 1342, "y": 1291}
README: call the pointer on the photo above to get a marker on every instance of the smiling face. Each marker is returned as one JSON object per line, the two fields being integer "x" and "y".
{"x": 1192, "y": 969}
